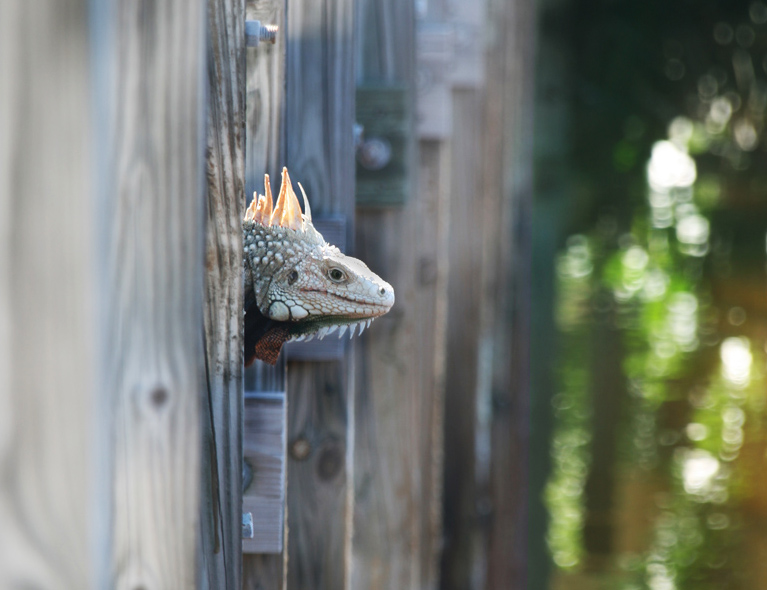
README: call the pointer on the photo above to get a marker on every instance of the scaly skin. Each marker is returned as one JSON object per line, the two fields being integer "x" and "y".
{"x": 297, "y": 285}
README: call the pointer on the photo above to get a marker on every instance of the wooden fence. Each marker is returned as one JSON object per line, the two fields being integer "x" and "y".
{"x": 131, "y": 443}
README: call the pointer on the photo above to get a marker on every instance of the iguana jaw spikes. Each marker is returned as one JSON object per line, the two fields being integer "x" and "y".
{"x": 331, "y": 329}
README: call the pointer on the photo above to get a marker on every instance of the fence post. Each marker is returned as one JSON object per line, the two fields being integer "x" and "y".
{"x": 221, "y": 507}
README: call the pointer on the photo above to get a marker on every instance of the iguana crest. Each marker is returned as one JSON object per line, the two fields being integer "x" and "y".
{"x": 298, "y": 286}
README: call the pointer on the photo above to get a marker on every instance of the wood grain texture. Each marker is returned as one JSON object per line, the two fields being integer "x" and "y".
{"x": 400, "y": 376}
{"x": 319, "y": 511}
{"x": 264, "y": 454}
{"x": 319, "y": 116}
{"x": 265, "y": 153}
{"x": 222, "y": 497}
{"x": 50, "y": 503}
{"x": 155, "y": 290}
{"x": 266, "y": 571}
{"x": 400, "y": 361}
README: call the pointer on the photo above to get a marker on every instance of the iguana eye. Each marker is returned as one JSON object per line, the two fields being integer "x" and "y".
{"x": 292, "y": 277}
{"x": 336, "y": 275}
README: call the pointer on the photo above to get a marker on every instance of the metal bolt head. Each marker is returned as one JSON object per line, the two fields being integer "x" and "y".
{"x": 374, "y": 153}
{"x": 247, "y": 525}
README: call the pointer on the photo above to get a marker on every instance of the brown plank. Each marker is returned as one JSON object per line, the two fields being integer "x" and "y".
{"x": 507, "y": 278}
{"x": 264, "y": 572}
{"x": 53, "y": 440}
{"x": 155, "y": 360}
{"x": 222, "y": 494}
{"x": 319, "y": 118}
{"x": 463, "y": 537}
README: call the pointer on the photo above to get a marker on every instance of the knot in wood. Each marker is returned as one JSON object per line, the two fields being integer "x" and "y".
{"x": 331, "y": 462}
{"x": 300, "y": 449}
{"x": 159, "y": 396}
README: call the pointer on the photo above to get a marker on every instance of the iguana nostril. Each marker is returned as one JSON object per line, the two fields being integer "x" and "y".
{"x": 382, "y": 291}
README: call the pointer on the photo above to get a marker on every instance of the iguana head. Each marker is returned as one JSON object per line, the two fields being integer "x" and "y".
{"x": 299, "y": 281}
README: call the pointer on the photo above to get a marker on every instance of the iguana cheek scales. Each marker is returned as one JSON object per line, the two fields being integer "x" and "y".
{"x": 297, "y": 286}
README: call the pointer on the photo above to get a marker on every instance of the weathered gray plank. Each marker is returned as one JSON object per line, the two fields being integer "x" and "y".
{"x": 265, "y": 152}
{"x": 400, "y": 375}
{"x": 49, "y": 430}
{"x": 319, "y": 119}
{"x": 400, "y": 369}
{"x": 155, "y": 288}
{"x": 264, "y": 454}
{"x": 222, "y": 494}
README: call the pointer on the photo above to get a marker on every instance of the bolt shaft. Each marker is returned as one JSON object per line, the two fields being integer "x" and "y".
{"x": 256, "y": 32}
{"x": 268, "y": 33}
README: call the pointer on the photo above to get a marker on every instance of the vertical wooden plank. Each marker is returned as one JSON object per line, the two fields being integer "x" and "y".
{"x": 507, "y": 271}
{"x": 266, "y": 425}
{"x": 221, "y": 504}
{"x": 400, "y": 369}
{"x": 465, "y": 245}
{"x": 319, "y": 118}
{"x": 400, "y": 376}
{"x": 155, "y": 290}
{"x": 49, "y": 435}
{"x": 265, "y": 153}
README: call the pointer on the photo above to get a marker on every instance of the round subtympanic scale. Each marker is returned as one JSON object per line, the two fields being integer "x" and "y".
{"x": 279, "y": 311}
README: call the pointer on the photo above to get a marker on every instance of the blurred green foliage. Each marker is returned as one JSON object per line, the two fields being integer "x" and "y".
{"x": 672, "y": 225}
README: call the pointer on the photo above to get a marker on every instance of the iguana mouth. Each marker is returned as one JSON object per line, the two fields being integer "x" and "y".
{"x": 367, "y": 305}
{"x": 264, "y": 337}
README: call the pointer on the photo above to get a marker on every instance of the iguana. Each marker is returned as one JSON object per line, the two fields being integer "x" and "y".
{"x": 297, "y": 286}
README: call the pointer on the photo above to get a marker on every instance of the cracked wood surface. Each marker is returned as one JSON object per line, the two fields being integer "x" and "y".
{"x": 221, "y": 506}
